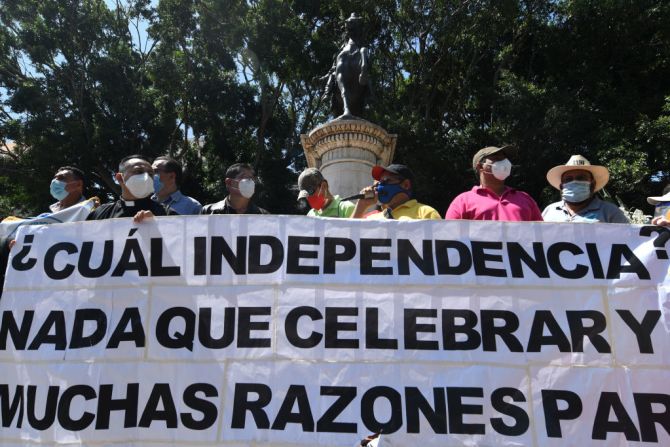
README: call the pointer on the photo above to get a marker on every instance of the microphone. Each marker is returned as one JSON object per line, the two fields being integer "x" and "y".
{"x": 366, "y": 195}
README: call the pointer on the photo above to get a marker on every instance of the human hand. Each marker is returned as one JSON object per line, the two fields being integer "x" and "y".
{"x": 660, "y": 221}
{"x": 142, "y": 216}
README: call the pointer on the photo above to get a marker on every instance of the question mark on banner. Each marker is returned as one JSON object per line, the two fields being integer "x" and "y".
{"x": 659, "y": 241}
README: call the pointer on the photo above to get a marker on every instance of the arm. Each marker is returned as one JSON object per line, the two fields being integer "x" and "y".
{"x": 364, "y": 204}
{"x": 455, "y": 210}
{"x": 363, "y": 77}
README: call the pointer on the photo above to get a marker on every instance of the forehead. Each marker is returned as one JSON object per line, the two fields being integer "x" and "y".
{"x": 576, "y": 173}
{"x": 138, "y": 165}
{"x": 245, "y": 173}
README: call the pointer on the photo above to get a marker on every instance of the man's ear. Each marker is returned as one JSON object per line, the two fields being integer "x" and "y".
{"x": 406, "y": 184}
{"x": 227, "y": 182}
{"x": 119, "y": 178}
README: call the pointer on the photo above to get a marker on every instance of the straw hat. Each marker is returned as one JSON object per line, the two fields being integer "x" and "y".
{"x": 659, "y": 199}
{"x": 577, "y": 162}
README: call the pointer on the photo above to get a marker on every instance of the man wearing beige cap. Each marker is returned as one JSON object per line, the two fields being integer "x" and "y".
{"x": 578, "y": 181}
{"x": 492, "y": 199}
{"x": 314, "y": 188}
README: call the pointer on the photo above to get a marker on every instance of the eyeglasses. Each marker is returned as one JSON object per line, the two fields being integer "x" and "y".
{"x": 576, "y": 178}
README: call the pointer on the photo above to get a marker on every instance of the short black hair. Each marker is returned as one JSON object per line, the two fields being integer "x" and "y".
{"x": 171, "y": 165}
{"x": 76, "y": 172}
{"x": 236, "y": 169}
{"x": 124, "y": 160}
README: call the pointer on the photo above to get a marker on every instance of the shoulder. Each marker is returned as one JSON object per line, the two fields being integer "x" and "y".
{"x": 346, "y": 207}
{"x": 102, "y": 211}
{"x": 612, "y": 213}
{"x": 428, "y": 212}
{"x": 214, "y": 208}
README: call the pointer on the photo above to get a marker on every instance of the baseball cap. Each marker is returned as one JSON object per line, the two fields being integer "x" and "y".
{"x": 398, "y": 169}
{"x": 308, "y": 182}
{"x": 509, "y": 151}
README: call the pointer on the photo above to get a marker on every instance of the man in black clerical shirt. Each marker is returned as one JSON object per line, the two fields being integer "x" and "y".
{"x": 136, "y": 178}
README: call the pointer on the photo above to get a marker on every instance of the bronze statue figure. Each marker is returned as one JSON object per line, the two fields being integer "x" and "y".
{"x": 347, "y": 83}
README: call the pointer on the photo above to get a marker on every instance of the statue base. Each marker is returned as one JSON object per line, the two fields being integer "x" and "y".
{"x": 345, "y": 152}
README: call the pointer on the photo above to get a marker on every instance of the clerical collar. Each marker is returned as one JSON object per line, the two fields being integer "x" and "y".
{"x": 128, "y": 202}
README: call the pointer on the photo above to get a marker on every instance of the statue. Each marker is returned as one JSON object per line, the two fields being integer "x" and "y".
{"x": 347, "y": 82}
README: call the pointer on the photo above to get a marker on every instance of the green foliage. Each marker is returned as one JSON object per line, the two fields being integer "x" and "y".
{"x": 216, "y": 82}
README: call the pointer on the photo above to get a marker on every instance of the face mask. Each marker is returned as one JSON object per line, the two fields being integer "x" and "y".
{"x": 158, "y": 185}
{"x": 57, "y": 189}
{"x": 246, "y": 187}
{"x": 575, "y": 192}
{"x": 501, "y": 169}
{"x": 662, "y": 209}
{"x": 140, "y": 185}
{"x": 386, "y": 192}
{"x": 316, "y": 201}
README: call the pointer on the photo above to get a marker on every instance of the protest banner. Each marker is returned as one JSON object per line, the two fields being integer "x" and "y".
{"x": 278, "y": 330}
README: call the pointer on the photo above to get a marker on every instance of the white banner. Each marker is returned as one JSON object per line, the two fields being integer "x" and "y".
{"x": 277, "y": 330}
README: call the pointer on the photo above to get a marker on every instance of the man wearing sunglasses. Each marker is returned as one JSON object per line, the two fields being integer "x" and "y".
{"x": 393, "y": 190}
{"x": 578, "y": 181}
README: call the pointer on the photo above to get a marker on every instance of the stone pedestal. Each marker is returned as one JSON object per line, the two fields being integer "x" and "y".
{"x": 345, "y": 151}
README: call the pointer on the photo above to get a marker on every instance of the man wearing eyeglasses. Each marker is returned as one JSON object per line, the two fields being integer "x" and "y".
{"x": 167, "y": 182}
{"x": 393, "y": 190}
{"x": 578, "y": 181}
{"x": 241, "y": 185}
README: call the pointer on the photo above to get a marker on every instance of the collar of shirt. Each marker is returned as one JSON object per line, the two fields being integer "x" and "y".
{"x": 410, "y": 203}
{"x": 483, "y": 190}
{"x": 55, "y": 207}
{"x": 593, "y": 205}
{"x": 169, "y": 200}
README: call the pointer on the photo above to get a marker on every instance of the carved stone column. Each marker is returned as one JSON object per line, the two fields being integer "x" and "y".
{"x": 345, "y": 151}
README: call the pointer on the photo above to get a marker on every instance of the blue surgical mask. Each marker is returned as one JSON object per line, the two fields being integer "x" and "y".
{"x": 57, "y": 189}
{"x": 158, "y": 185}
{"x": 575, "y": 192}
{"x": 386, "y": 192}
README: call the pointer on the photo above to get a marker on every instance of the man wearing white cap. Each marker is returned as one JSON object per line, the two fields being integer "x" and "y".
{"x": 662, "y": 208}
{"x": 578, "y": 181}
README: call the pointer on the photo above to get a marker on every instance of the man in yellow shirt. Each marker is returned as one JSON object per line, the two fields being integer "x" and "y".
{"x": 393, "y": 191}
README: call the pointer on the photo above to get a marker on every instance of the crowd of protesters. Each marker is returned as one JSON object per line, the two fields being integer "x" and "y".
{"x": 153, "y": 189}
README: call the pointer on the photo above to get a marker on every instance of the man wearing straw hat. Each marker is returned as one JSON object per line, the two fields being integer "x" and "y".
{"x": 578, "y": 181}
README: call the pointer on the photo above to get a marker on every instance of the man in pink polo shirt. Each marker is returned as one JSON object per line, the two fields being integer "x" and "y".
{"x": 492, "y": 199}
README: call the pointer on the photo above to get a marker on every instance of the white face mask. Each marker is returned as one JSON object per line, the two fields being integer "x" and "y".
{"x": 501, "y": 169}
{"x": 140, "y": 185}
{"x": 246, "y": 187}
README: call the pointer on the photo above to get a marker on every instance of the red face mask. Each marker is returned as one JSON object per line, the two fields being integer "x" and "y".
{"x": 316, "y": 201}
